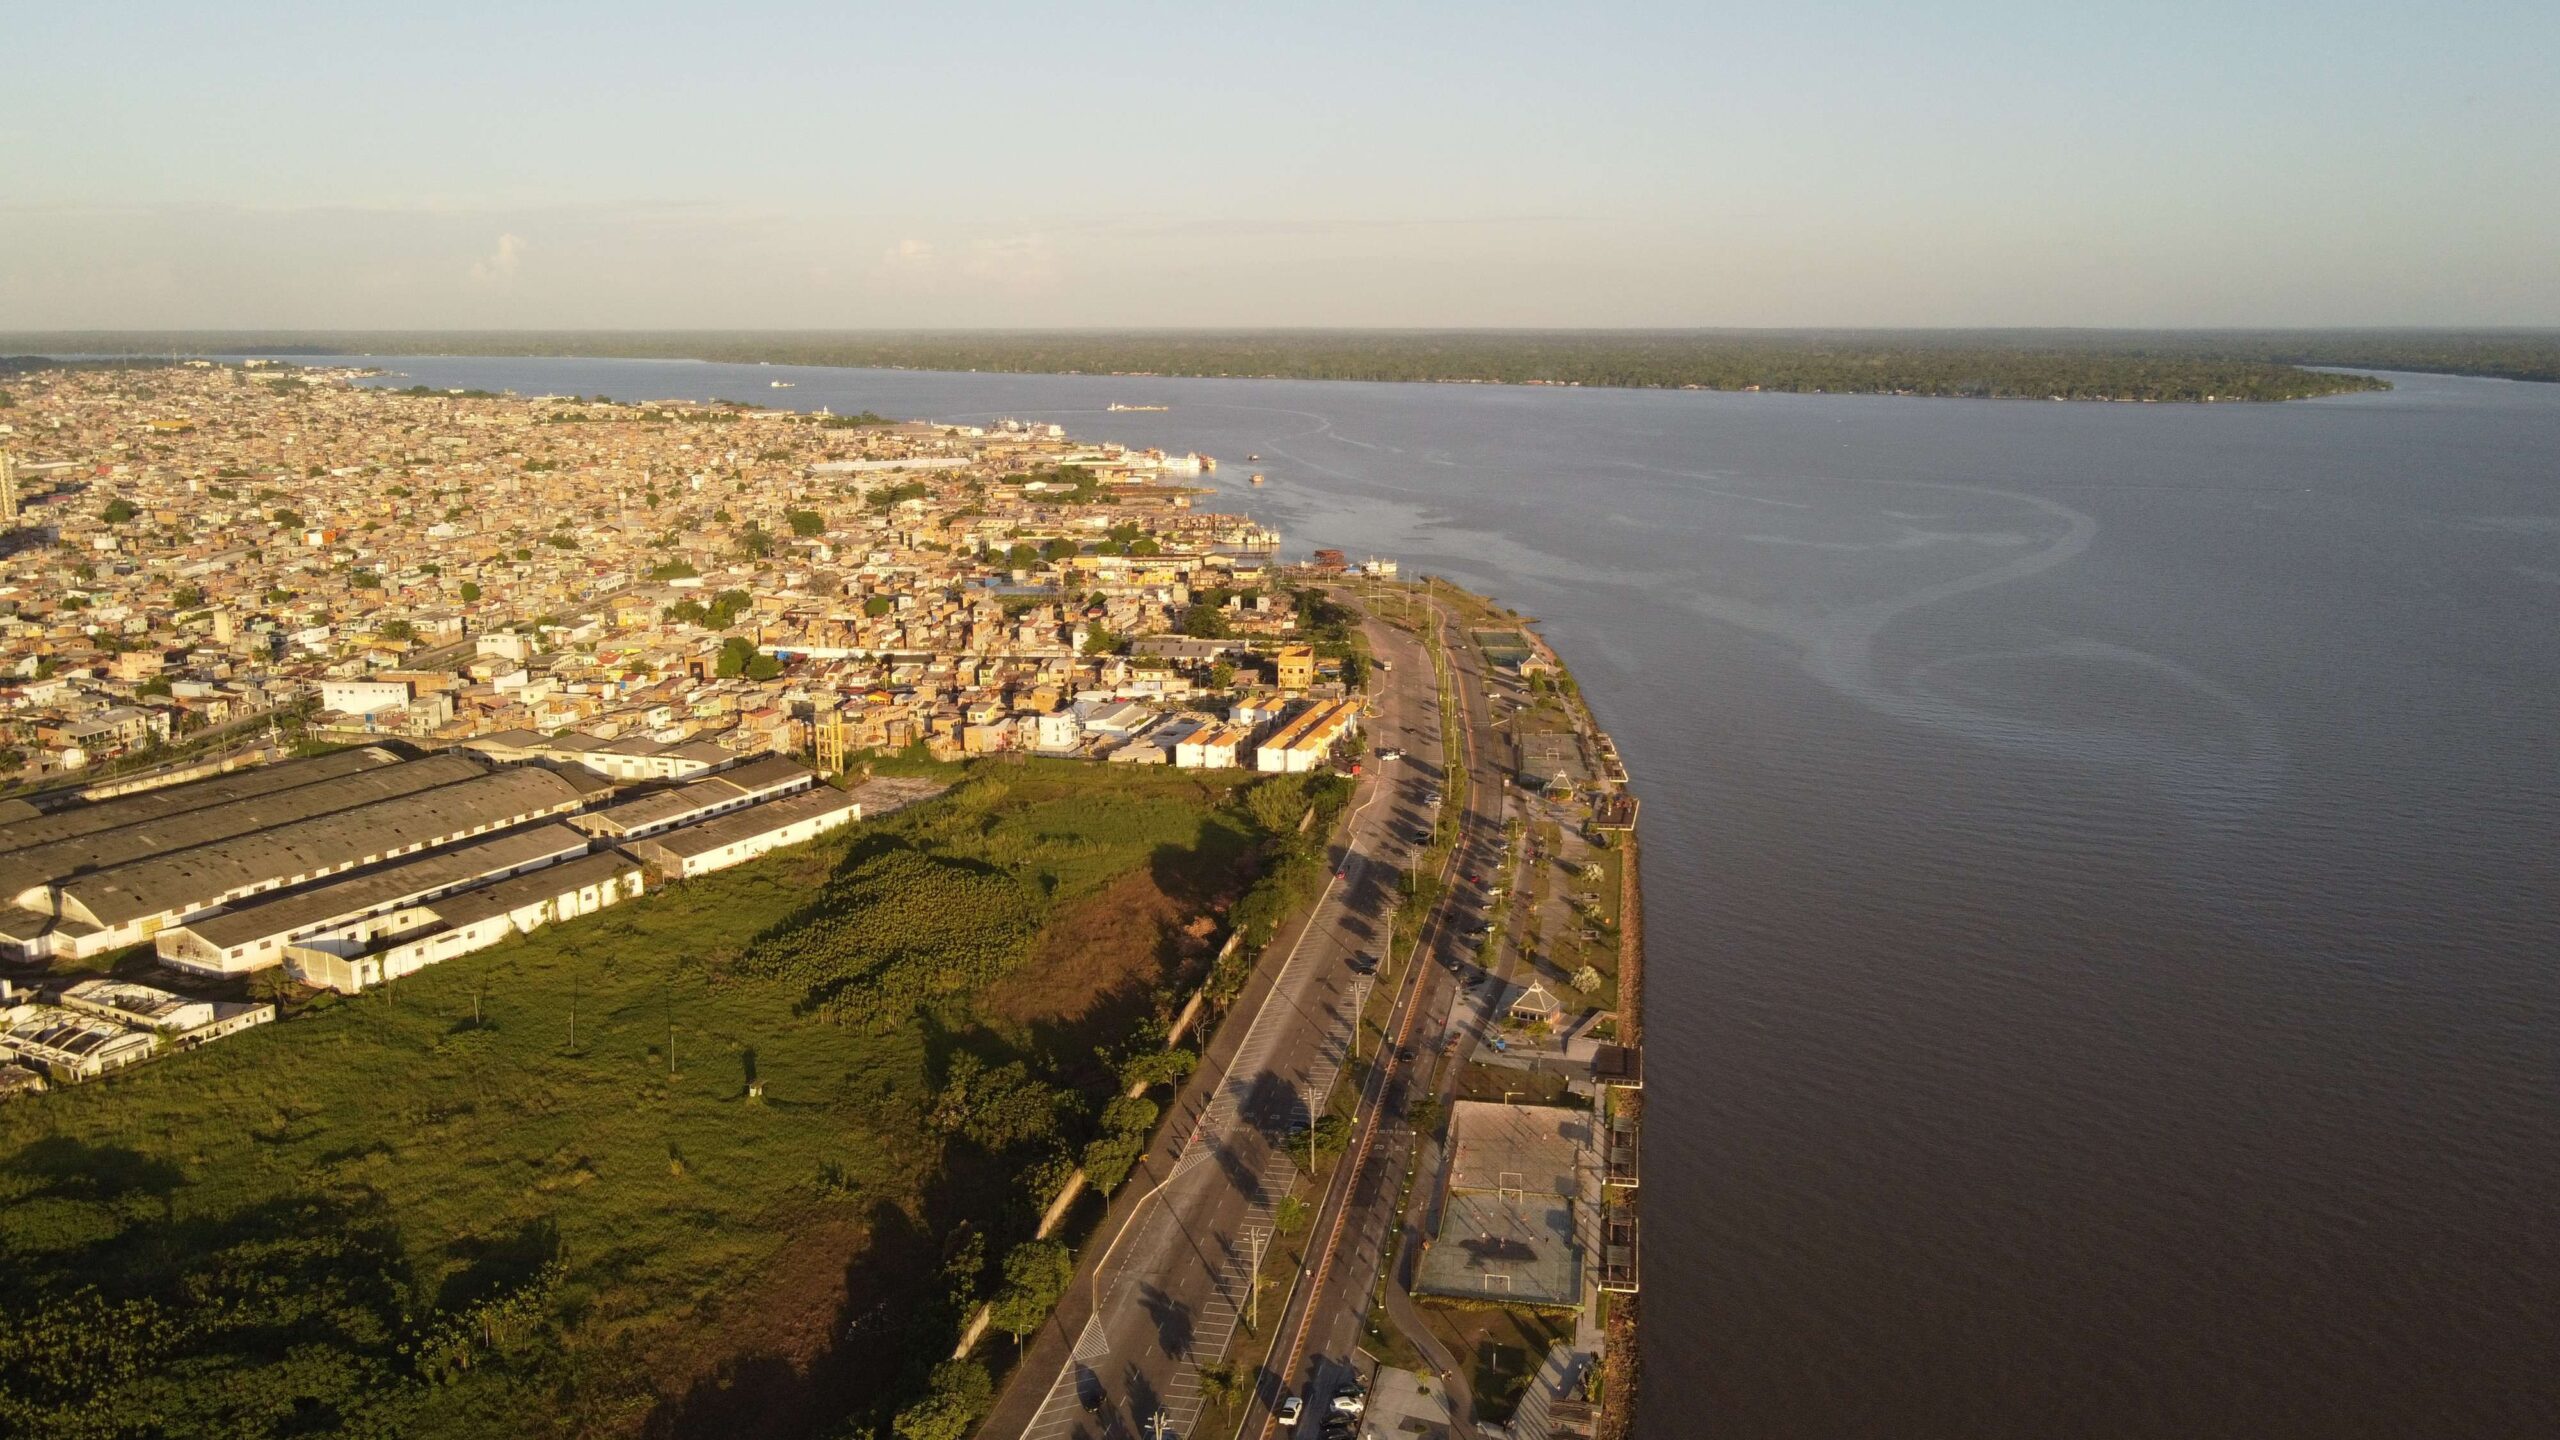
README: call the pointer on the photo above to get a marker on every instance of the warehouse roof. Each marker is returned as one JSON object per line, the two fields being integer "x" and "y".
{"x": 753, "y": 821}
{"x": 43, "y": 864}
{"x": 469, "y": 907}
{"x": 673, "y": 806}
{"x": 320, "y": 844}
{"x": 433, "y": 873}
{"x": 18, "y": 833}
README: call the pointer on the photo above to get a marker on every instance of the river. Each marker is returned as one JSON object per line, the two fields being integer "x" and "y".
{"x": 2103, "y": 866}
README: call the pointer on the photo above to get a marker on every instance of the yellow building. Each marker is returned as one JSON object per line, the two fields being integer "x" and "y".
{"x": 1297, "y": 667}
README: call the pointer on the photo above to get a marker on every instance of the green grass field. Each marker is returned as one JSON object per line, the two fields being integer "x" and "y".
{"x": 429, "y": 1210}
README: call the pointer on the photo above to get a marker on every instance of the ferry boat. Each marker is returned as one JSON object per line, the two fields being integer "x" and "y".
{"x": 1257, "y": 477}
{"x": 1116, "y": 405}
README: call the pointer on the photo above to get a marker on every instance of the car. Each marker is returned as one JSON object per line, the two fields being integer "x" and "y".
{"x": 1349, "y": 1400}
{"x": 1364, "y": 964}
{"x": 1289, "y": 1411}
{"x": 1390, "y": 754}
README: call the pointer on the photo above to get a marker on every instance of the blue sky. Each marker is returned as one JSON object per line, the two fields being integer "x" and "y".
{"x": 1428, "y": 164}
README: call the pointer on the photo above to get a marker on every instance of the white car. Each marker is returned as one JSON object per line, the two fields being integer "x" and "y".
{"x": 1349, "y": 1402}
{"x": 1289, "y": 1411}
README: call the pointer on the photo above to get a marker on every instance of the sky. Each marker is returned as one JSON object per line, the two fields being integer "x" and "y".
{"x": 531, "y": 165}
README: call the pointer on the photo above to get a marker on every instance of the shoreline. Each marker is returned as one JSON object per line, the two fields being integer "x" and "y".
{"x": 1914, "y": 371}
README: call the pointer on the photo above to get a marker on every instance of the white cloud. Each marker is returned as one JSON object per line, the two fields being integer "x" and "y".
{"x": 500, "y": 264}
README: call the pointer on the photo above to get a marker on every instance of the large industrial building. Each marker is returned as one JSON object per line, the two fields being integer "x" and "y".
{"x": 465, "y": 921}
{"x": 734, "y": 839}
{"x": 696, "y": 800}
{"x": 128, "y": 902}
{"x": 253, "y": 936}
{"x": 361, "y": 866}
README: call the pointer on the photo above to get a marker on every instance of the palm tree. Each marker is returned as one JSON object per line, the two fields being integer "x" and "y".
{"x": 1221, "y": 1385}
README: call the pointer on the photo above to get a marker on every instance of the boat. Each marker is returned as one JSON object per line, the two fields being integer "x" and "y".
{"x": 1116, "y": 405}
{"x": 783, "y": 384}
{"x": 1249, "y": 459}
{"x": 1257, "y": 477}
{"x": 1208, "y": 462}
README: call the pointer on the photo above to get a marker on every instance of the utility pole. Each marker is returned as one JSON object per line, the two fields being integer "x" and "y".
{"x": 1255, "y": 1236}
{"x": 573, "y": 1013}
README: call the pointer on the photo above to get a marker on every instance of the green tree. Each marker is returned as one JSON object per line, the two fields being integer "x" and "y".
{"x": 807, "y": 524}
{"x": 961, "y": 1393}
{"x": 878, "y": 605}
{"x": 735, "y": 652}
{"x": 118, "y": 511}
{"x": 399, "y": 630}
{"x": 470, "y": 592}
{"x": 1099, "y": 640}
{"x": 1204, "y": 622}
{"x": 1036, "y": 1273}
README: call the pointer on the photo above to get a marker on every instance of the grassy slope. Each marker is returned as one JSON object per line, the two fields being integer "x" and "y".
{"x": 672, "y": 1201}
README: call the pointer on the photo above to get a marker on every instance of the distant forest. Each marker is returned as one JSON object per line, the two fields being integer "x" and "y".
{"x": 2021, "y": 364}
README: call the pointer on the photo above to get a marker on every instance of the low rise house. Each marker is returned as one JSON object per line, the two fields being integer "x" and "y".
{"x": 1211, "y": 747}
{"x": 1305, "y": 740}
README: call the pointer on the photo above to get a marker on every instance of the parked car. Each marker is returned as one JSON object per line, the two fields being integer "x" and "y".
{"x": 1350, "y": 1400}
{"x": 1390, "y": 754}
{"x": 1290, "y": 1409}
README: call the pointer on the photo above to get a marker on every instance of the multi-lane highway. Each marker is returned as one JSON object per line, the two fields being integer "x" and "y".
{"x": 1161, "y": 1288}
{"x": 1430, "y": 1033}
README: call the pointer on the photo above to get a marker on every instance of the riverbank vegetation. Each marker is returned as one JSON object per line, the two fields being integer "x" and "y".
{"x": 2162, "y": 365}
{"x": 735, "y": 1158}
